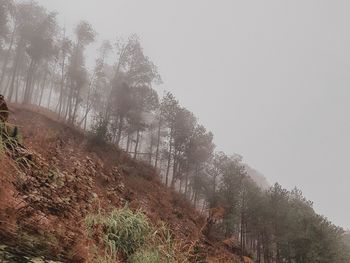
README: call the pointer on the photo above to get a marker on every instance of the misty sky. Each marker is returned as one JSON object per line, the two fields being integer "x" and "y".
{"x": 271, "y": 79}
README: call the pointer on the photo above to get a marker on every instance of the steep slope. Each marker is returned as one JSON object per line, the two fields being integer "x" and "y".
{"x": 58, "y": 177}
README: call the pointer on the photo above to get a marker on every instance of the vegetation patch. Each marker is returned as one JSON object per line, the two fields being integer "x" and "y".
{"x": 8, "y": 143}
{"x": 124, "y": 230}
{"x": 130, "y": 234}
{"x": 146, "y": 256}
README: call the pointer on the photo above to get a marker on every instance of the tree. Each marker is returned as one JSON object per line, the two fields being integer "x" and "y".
{"x": 183, "y": 128}
{"x": 121, "y": 99}
{"x": 144, "y": 102}
{"x": 6, "y": 7}
{"x": 40, "y": 47}
{"x": 98, "y": 82}
{"x": 65, "y": 49}
{"x": 7, "y": 13}
{"x": 199, "y": 151}
{"x": 215, "y": 170}
{"x": 169, "y": 108}
{"x": 133, "y": 70}
{"x": 28, "y": 18}
{"x": 77, "y": 73}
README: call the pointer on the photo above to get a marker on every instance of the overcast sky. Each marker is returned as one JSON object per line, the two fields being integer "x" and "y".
{"x": 271, "y": 79}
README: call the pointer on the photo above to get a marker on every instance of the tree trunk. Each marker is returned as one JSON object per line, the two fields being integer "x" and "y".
{"x": 169, "y": 157}
{"x": 75, "y": 110}
{"x": 7, "y": 56}
{"x": 128, "y": 143}
{"x": 15, "y": 67}
{"x": 120, "y": 128}
{"x": 158, "y": 142}
{"x": 17, "y": 88}
{"x": 137, "y": 143}
{"x": 43, "y": 88}
{"x": 151, "y": 147}
{"x": 29, "y": 83}
{"x": 186, "y": 184}
{"x": 68, "y": 101}
{"x": 84, "y": 119}
{"x": 173, "y": 179}
{"x": 180, "y": 187}
{"x": 242, "y": 229}
{"x": 62, "y": 86}
{"x": 50, "y": 95}
{"x": 88, "y": 104}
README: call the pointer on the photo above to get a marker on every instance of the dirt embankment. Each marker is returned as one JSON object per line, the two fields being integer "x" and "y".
{"x": 43, "y": 203}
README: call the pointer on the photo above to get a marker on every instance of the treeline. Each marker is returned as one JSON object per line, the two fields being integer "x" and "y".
{"x": 274, "y": 225}
{"x": 41, "y": 64}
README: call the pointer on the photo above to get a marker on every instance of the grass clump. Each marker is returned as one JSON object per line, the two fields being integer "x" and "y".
{"x": 7, "y": 142}
{"x": 10, "y": 144}
{"x": 124, "y": 231}
{"x": 131, "y": 234}
{"x": 147, "y": 256}
{"x": 165, "y": 246}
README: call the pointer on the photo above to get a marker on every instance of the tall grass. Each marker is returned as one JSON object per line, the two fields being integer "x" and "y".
{"x": 147, "y": 256}
{"x": 125, "y": 231}
{"x": 131, "y": 234}
{"x": 11, "y": 144}
{"x": 8, "y": 142}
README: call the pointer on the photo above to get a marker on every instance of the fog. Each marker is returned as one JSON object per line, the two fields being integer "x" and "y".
{"x": 269, "y": 78}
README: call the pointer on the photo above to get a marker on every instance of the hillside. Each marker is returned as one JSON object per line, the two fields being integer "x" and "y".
{"x": 106, "y": 156}
{"x": 58, "y": 177}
